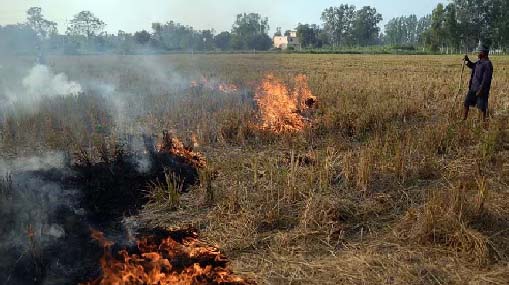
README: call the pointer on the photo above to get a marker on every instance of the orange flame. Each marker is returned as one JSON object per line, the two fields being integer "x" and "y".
{"x": 174, "y": 146}
{"x": 164, "y": 261}
{"x": 281, "y": 108}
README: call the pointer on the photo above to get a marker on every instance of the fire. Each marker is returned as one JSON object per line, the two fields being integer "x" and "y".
{"x": 173, "y": 145}
{"x": 281, "y": 107}
{"x": 176, "y": 258}
{"x": 227, "y": 88}
{"x": 215, "y": 86}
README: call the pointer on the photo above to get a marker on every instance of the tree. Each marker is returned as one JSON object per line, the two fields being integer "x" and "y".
{"x": 250, "y": 24}
{"x": 478, "y": 20}
{"x": 204, "y": 40}
{"x": 338, "y": 22}
{"x": 85, "y": 24}
{"x": 142, "y": 37}
{"x": 365, "y": 28}
{"x": 501, "y": 33}
{"x": 402, "y": 31}
{"x": 423, "y": 30}
{"x": 42, "y": 27}
{"x": 394, "y": 31}
{"x": 438, "y": 33}
{"x": 174, "y": 36}
{"x": 452, "y": 32}
{"x": 223, "y": 41}
{"x": 249, "y": 31}
{"x": 309, "y": 36}
{"x": 411, "y": 23}
{"x": 278, "y": 32}
{"x": 18, "y": 39}
{"x": 260, "y": 42}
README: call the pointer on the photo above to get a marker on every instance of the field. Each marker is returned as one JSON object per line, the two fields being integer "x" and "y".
{"x": 381, "y": 182}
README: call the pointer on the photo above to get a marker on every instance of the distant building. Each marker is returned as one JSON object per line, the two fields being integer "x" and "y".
{"x": 285, "y": 42}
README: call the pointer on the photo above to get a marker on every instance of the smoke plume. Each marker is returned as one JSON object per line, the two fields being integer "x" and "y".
{"x": 39, "y": 83}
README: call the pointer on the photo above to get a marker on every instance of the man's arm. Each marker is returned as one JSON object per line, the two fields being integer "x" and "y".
{"x": 468, "y": 62}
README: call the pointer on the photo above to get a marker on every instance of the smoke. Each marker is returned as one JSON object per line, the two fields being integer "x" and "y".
{"x": 32, "y": 200}
{"x": 49, "y": 160}
{"x": 39, "y": 83}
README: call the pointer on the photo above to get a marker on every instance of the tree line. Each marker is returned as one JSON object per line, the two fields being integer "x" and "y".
{"x": 455, "y": 27}
{"x": 86, "y": 33}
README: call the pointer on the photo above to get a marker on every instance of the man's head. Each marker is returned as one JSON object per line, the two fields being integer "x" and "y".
{"x": 484, "y": 51}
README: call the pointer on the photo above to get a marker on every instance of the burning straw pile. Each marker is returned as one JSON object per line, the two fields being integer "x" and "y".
{"x": 283, "y": 109}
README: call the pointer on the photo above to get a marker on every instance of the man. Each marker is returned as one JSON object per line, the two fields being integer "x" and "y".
{"x": 480, "y": 82}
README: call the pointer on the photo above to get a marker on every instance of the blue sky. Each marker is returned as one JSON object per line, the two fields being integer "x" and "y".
{"x": 133, "y": 15}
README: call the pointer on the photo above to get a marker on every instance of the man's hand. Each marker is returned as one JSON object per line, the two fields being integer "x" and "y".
{"x": 479, "y": 93}
{"x": 466, "y": 58}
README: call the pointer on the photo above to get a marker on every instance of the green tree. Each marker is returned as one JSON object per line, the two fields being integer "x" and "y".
{"x": 451, "y": 27}
{"x": 338, "y": 24}
{"x": 42, "y": 27}
{"x": 438, "y": 32}
{"x": 309, "y": 35}
{"x": 250, "y": 32}
{"x": 142, "y": 37}
{"x": 365, "y": 29}
{"x": 85, "y": 24}
{"x": 223, "y": 40}
{"x": 204, "y": 40}
{"x": 423, "y": 30}
{"x": 478, "y": 20}
{"x": 501, "y": 33}
{"x": 402, "y": 31}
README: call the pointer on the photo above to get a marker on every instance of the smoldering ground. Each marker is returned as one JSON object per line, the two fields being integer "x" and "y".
{"x": 98, "y": 169}
{"x": 49, "y": 203}
{"x": 39, "y": 215}
{"x": 49, "y": 206}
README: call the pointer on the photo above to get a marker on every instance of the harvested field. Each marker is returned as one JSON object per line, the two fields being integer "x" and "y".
{"x": 361, "y": 172}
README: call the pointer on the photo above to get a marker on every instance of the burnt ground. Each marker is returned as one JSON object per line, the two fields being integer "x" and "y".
{"x": 55, "y": 209}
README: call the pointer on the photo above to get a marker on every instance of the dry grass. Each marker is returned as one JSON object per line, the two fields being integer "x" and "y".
{"x": 387, "y": 187}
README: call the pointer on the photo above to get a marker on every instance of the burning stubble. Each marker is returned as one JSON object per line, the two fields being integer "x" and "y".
{"x": 163, "y": 257}
{"x": 48, "y": 203}
{"x": 282, "y": 109}
{"x": 32, "y": 204}
{"x": 107, "y": 182}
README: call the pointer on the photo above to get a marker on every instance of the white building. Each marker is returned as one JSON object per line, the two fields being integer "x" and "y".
{"x": 285, "y": 42}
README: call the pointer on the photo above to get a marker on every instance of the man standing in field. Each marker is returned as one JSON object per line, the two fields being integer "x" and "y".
{"x": 480, "y": 82}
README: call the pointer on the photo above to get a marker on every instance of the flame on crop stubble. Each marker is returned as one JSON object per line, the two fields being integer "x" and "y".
{"x": 171, "y": 144}
{"x": 214, "y": 86}
{"x": 281, "y": 107}
{"x": 164, "y": 260}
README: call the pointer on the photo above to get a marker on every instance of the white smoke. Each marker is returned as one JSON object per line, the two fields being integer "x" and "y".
{"x": 29, "y": 203}
{"x": 49, "y": 160}
{"x": 40, "y": 83}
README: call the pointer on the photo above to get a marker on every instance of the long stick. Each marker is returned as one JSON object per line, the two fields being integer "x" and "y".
{"x": 461, "y": 78}
{"x": 461, "y": 81}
